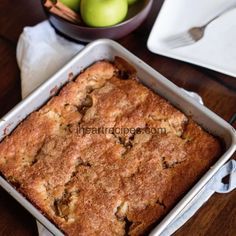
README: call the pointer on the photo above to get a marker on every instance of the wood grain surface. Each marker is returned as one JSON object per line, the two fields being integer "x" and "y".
{"x": 218, "y": 215}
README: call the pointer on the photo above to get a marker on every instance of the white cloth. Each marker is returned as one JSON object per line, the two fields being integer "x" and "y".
{"x": 41, "y": 52}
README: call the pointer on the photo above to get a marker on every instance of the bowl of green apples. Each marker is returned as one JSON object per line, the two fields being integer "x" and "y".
{"x": 88, "y": 20}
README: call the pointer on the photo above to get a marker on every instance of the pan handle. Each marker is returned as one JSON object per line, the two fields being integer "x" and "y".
{"x": 214, "y": 185}
{"x": 232, "y": 120}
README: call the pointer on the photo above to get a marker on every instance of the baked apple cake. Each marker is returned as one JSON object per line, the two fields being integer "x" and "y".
{"x": 73, "y": 162}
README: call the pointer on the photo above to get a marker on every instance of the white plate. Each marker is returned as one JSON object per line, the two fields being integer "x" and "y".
{"x": 217, "y": 50}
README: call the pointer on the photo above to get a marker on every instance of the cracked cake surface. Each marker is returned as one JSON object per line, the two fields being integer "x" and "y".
{"x": 106, "y": 183}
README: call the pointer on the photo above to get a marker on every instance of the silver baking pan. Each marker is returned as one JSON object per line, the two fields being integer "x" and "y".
{"x": 107, "y": 49}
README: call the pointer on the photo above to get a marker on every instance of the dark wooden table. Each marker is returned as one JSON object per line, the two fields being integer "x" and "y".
{"x": 218, "y": 215}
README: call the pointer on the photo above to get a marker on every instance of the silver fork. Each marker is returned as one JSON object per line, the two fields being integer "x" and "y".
{"x": 194, "y": 34}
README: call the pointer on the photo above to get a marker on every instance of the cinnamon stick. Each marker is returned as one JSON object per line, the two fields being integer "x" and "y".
{"x": 61, "y": 10}
{"x": 66, "y": 9}
{"x": 59, "y": 13}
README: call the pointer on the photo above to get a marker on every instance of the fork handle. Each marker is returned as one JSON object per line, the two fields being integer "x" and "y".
{"x": 220, "y": 14}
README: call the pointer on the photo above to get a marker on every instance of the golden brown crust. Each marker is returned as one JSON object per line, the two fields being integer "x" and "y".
{"x": 106, "y": 183}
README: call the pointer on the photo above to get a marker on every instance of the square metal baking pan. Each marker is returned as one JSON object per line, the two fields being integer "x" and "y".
{"x": 107, "y": 49}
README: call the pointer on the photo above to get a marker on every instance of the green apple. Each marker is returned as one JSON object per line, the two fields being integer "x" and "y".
{"x": 73, "y": 4}
{"x": 130, "y": 2}
{"x": 102, "y": 13}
